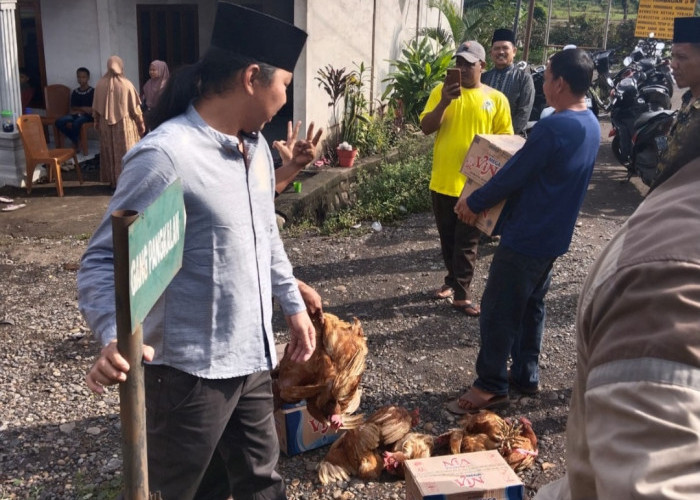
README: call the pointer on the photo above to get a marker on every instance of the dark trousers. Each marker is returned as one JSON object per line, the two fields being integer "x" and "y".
{"x": 459, "y": 243}
{"x": 75, "y": 122}
{"x": 512, "y": 320}
{"x": 209, "y": 439}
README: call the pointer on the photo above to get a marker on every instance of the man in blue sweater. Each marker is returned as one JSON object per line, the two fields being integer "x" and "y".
{"x": 545, "y": 183}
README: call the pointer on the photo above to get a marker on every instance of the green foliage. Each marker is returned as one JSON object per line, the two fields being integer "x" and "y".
{"x": 421, "y": 67}
{"x": 355, "y": 107}
{"x": 389, "y": 191}
{"x": 378, "y": 134}
{"x": 348, "y": 86}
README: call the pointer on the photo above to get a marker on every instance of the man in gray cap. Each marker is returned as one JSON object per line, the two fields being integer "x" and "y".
{"x": 634, "y": 422}
{"x": 457, "y": 112}
{"x": 683, "y": 144}
{"x": 514, "y": 82}
{"x": 208, "y": 341}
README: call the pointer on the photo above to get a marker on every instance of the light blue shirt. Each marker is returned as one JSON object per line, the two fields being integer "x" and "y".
{"x": 214, "y": 320}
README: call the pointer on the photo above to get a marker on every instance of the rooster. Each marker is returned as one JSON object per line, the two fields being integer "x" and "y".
{"x": 355, "y": 453}
{"x": 329, "y": 381}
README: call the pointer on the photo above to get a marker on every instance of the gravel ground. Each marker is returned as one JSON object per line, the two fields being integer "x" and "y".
{"x": 57, "y": 440}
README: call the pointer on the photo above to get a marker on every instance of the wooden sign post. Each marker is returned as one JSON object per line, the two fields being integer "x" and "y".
{"x": 147, "y": 255}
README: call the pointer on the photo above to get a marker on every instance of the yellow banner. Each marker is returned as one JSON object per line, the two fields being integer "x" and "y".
{"x": 656, "y": 16}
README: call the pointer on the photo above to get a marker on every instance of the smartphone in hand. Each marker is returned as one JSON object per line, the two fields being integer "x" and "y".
{"x": 454, "y": 75}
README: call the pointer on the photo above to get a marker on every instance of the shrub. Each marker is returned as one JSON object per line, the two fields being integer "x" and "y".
{"x": 417, "y": 72}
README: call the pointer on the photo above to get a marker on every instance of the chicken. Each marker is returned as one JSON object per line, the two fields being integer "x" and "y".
{"x": 355, "y": 453}
{"x": 483, "y": 422}
{"x": 463, "y": 442}
{"x": 514, "y": 440}
{"x": 329, "y": 381}
{"x": 519, "y": 445}
{"x": 412, "y": 445}
{"x": 394, "y": 423}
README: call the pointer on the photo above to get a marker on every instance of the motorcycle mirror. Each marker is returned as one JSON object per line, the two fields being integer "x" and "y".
{"x": 521, "y": 65}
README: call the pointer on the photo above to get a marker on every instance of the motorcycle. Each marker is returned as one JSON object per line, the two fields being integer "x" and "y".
{"x": 603, "y": 83}
{"x": 644, "y": 87}
{"x": 648, "y": 143}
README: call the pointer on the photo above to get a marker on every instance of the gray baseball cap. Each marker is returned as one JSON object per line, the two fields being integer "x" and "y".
{"x": 471, "y": 51}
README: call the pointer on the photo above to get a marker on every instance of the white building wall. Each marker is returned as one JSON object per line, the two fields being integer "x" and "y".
{"x": 341, "y": 33}
{"x": 87, "y": 32}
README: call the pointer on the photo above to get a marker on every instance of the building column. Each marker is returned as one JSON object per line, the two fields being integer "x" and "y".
{"x": 10, "y": 96}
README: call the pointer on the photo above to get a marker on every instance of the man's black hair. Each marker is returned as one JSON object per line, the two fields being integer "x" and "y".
{"x": 83, "y": 70}
{"x": 575, "y": 66}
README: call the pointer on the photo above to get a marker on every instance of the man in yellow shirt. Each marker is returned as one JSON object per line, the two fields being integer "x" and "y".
{"x": 457, "y": 112}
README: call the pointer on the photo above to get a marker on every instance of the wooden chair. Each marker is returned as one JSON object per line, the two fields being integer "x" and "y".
{"x": 57, "y": 100}
{"x": 37, "y": 152}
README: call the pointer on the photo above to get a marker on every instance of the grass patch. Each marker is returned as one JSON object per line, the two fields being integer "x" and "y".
{"x": 387, "y": 192}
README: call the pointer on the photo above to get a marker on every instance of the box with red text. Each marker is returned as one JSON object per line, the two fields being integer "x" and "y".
{"x": 297, "y": 430}
{"x": 468, "y": 476}
{"x": 486, "y": 155}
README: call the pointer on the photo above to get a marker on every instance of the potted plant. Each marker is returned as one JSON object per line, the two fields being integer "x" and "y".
{"x": 346, "y": 154}
{"x": 348, "y": 117}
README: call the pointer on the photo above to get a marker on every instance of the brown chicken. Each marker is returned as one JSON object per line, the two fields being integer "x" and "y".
{"x": 330, "y": 379}
{"x": 463, "y": 442}
{"x": 519, "y": 445}
{"x": 394, "y": 423}
{"x": 514, "y": 440}
{"x": 412, "y": 445}
{"x": 355, "y": 453}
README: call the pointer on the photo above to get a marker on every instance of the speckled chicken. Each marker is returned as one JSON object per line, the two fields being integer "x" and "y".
{"x": 330, "y": 380}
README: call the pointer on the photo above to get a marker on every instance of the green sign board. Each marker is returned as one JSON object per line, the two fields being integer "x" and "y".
{"x": 156, "y": 241}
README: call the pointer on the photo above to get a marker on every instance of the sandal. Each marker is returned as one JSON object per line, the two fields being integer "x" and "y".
{"x": 470, "y": 309}
{"x": 11, "y": 208}
{"x": 471, "y": 402}
{"x": 5, "y": 199}
{"x": 444, "y": 292}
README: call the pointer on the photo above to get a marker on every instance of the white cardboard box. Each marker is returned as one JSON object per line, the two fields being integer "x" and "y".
{"x": 486, "y": 155}
{"x": 479, "y": 475}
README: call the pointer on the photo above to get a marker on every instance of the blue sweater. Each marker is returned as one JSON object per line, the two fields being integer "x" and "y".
{"x": 545, "y": 183}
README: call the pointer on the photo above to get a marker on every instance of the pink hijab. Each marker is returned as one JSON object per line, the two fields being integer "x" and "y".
{"x": 153, "y": 87}
{"x": 115, "y": 96}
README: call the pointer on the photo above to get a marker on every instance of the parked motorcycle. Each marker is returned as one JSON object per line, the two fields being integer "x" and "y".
{"x": 640, "y": 97}
{"x": 648, "y": 143}
{"x": 603, "y": 84}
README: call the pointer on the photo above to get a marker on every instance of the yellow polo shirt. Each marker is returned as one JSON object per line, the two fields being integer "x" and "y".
{"x": 480, "y": 110}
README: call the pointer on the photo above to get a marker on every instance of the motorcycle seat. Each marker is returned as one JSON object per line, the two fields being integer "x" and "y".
{"x": 648, "y": 116}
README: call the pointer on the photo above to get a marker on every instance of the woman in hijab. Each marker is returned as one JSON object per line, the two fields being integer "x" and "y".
{"x": 158, "y": 72}
{"x": 118, "y": 117}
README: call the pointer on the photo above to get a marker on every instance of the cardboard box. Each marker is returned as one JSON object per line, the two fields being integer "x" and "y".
{"x": 486, "y": 155}
{"x": 479, "y": 475}
{"x": 297, "y": 430}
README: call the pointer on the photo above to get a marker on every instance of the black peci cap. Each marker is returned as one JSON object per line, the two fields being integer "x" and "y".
{"x": 686, "y": 30}
{"x": 503, "y": 35}
{"x": 259, "y": 36}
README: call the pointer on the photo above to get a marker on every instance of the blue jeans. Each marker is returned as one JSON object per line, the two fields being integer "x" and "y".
{"x": 76, "y": 121}
{"x": 512, "y": 320}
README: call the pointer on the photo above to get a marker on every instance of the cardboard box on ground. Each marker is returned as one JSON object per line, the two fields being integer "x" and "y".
{"x": 467, "y": 476}
{"x": 486, "y": 155}
{"x": 297, "y": 430}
